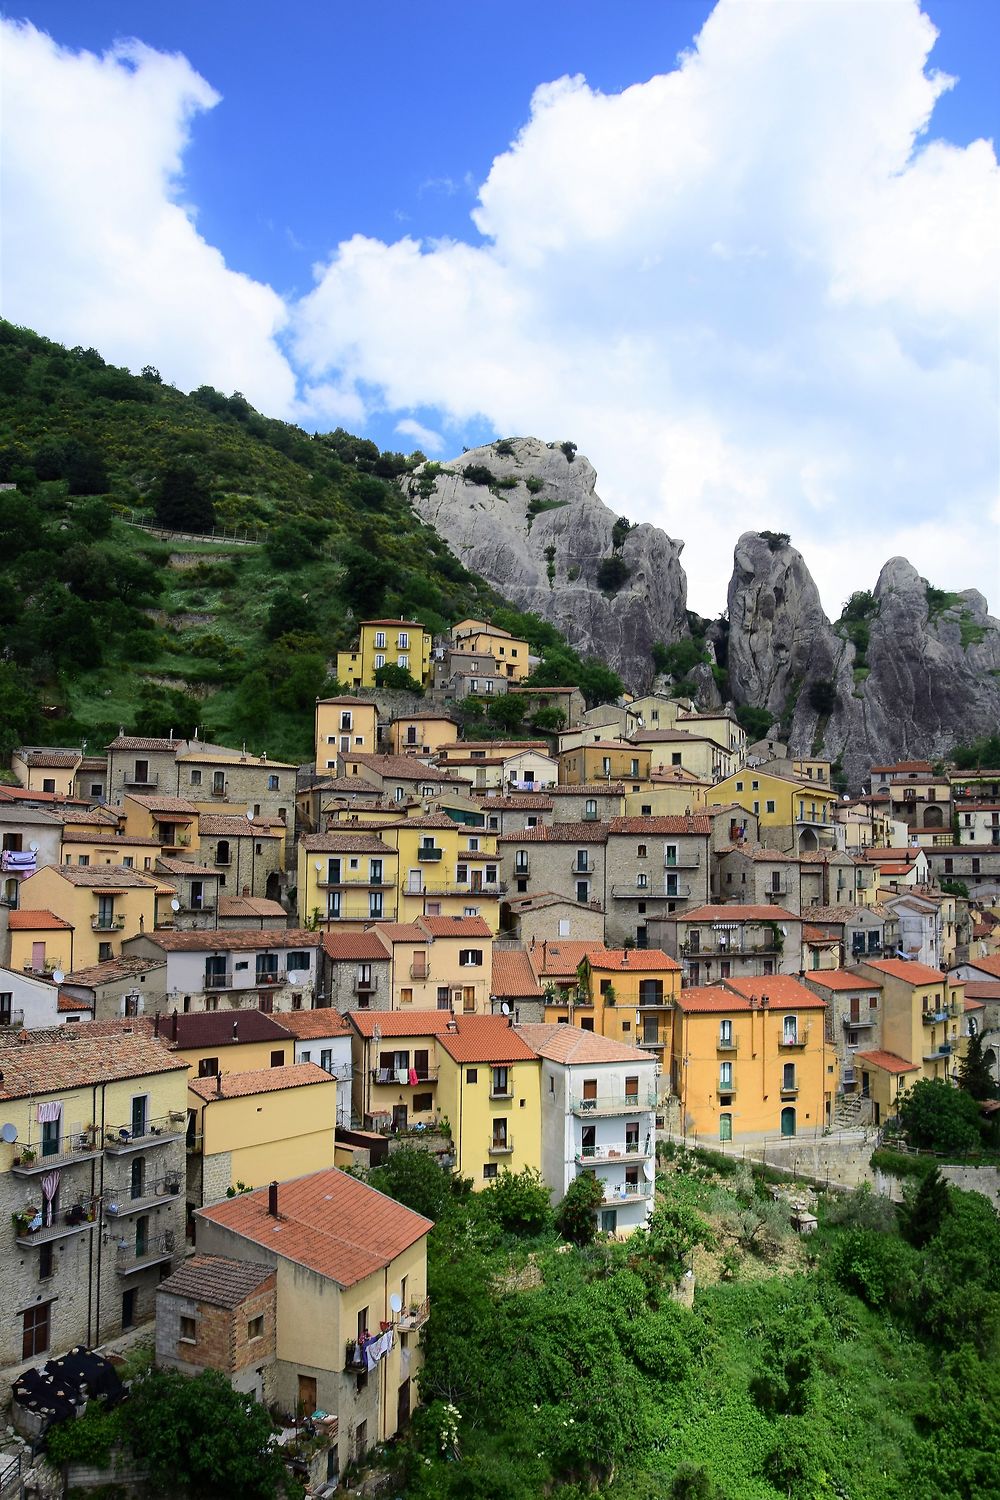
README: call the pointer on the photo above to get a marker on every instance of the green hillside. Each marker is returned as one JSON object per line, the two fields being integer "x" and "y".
{"x": 104, "y": 624}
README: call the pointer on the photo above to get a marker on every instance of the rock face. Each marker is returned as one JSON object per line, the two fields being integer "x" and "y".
{"x": 539, "y": 534}
{"x": 929, "y": 675}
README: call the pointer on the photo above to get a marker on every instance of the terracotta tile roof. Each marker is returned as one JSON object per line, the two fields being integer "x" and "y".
{"x": 982, "y": 989}
{"x": 349, "y": 947}
{"x": 631, "y": 960}
{"x": 905, "y": 968}
{"x": 781, "y": 989}
{"x": 516, "y": 802}
{"x": 108, "y": 836}
{"x": 304, "y": 1024}
{"x": 50, "y": 760}
{"x": 250, "y": 906}
{"x": 70, "y": 1003}
{"x": 513, "y": 976}
{"x": 889, "y": 1062}
{"x": 571, "y": 1044}
{"x": 215, "y": 941}
{"x": 989, "y": 963}
{"x": 411, "y": 624}
{"x": 709, "y": 998}
{"x": 817, "y": 938}
{"x": 104, "y": 877}
{"x": 450, "y": 927}
{"x": 335, "y": 842}
{"x": 123, "y": 967}
{"x": 26, "y": 920}
{"x": 83, "y": 1058}
{"x": 589, "y": 789}
{"x": 217, "y": 1281}
{"x": 136, "y": 742}
{"x": 170, "y": 866}
{"x": 228, "y": 826}
{"x": 348, "y": 702}
{"x": 485, "y": 1039}
{"x": 975, "y": 1004}
{"x": 223, "y": 757}
{"x": 101, "y": 815}
{"x": 549, "y": 898}
{"x": 662, "y": 825}
{"x": 332, "y": 1223}
{"x": 258, "y": 1081}
{"x": 842, "y": 979}
{"x": 157, "y": 804}
{"x": 21, "y": 794}
{"x": 734, "y": 912}
{"x": 834, "y": 914}
{"x": 399, "y": 932}
{"x": 400, "y": 1022}
{"x": 760, "y": 853}
{"x": 501, "y": 746}
{"x": 219, "y": 1028}
{"x": 552, "y": 960}
{"x": 399, "y": 767}
{"x": 559, "y": 833}
{"x": 908, "y": 765}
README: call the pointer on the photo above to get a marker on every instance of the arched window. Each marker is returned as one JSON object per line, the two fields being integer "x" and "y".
{"x": 222, "y": 852}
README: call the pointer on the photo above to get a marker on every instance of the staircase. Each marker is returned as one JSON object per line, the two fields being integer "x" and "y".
{"x": 852, "y": 1109}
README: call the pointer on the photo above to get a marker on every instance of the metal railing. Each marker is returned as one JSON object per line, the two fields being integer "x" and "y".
{"x": 149, "y": 1252}
{"x": 683, "y": 860}
{"x": 109, "y": 923}
{"x": 11, "y": 1017}
{"x": 502, "y": 1147}
{"x": 648, "y": 893}
{"x": 616, "y": 1151}
{"x": 628, "y": 1192}
{"x": 391, "y": 1076}
{"x": 152, "y": 781}
{"x": 75, "y": 1143}
{"x": 614, "y": 1104}
{"x": 118, "y": 1200}
{"x": 160, "y": 1130}
{"x": 415, "y": 1317}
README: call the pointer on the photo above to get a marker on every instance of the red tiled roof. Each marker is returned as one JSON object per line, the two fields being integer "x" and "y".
{"x": 513, "y": 976}
{"x": 309, "y": 1023}
{"x": 446, "y": 927}
{"x": 485, "y": 1039}
{"x": 982, "y": 989}
{"x": 399, "y": 932}
{"x": 636, "y": 960}
{"x": 974, "y": 1004}
{"x": 250, "y": 906}
{"x": 217, "y": 1028}
{"x": 81, "y": 1057}
{"x": 989, "y": 964}
{"x": 219, "y": 1282}
{"x": 332, "y": 1223}
{"x": 559, "y": 833}
{"x": 229, "y": 826}
{"x": 667, "y": 825}
{"x": 818, "y": 938}
{"x": 562, "y": 957}
{"x": 258, "y": 1081}
{"x": 70, "y": 1003}
{"x": 348, "y": 947}
{"x": 400, "y": 1022}
{"x": 781, "y": 990}
{"x": 734, "y": 912}
{"x": 36, "y": 921}
{"x": 335, "y": 841}
{"x": 842, "y": 979}
{"x": 571, "y": 1044}
{"x": 889, "y": 1062}
{"x": 214, "y": 940}
{"x": 905, "y": 968}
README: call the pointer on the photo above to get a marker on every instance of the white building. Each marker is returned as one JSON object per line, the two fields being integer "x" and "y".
{"x": 323, "y": 1037}
{"x": 33, "y": 1003}
{"x": 598, "y": 1102}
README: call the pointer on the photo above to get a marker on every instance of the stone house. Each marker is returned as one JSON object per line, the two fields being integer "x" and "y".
{"x": 356, "y": 972}
{"x": 568, "y": 859}
{"x": 733, "y": 942}
{"x": 654, "y": 868}
{"x": 217, "y": 1314}
{"x": 275, "y": 970}
{"x": 756, "y": 874}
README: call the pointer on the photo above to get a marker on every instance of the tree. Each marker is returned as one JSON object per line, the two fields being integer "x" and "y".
{"x": 366, "y": 575}
{"x": 413, "y": 1177}
{"x": 507, "y": 713}
{"x": 519, "y": 1202}
{"x": 937, "y": 1116}
{"x": 289, "y": 614}
{"x": 202, "y": 1439}
{"x": 672, "y": 1233}
{"x": 398, "y": 678}
{"x": 576, "y": 1213}
{"x": 974, "y": 1074}
{"x": 20, "y": 710}
{"x": 612, "y": 574}
{"x": 756, "y": 721}
{"x": 182, "y": 501}
{"x": 923, "y": 1212}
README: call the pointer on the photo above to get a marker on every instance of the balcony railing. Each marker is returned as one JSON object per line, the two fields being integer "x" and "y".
{"x": 147, "y": 780}
{"x": 933, "y": 1017}
{"x": 506, "y": 1092}
{"x": 107, "y": 923}
{"x": 650, "y": 1041}
{"x": 628, "y": 1192}
{"x": 683, "y": 860}
{"x": 615, "y": 1104}
{"x": 415, "y": 1317}
{"x": 136, "y": 1136}
{"x": 647, "y": 893}
{"x": 197, "y": 906}
{"x": 157, "y": 1249}
{"x": 502, "y": 1148}
{"x": 119, "y": 1203}
{"x": 522, "y": 871}
{"x": 420, "y": 971}
{"x": 220, "y": 791}
{"x": 727, "y": 1089}
{"x": 706, "y": 947}
{"x": 798, "y": 1040}
{"x": 392, "y": 1076}
{"x": 852, "y": 1024}
{"x": 935, "y": 1054}
{"x": 76, "y": 1143}
{"x": 365, "y": 986}
{"x": 11, "y": 1017}
{"x": 789, "y": 1090}
{"x": 617, "y": 1151}
{"x": 727, "y": 1044}
{"x": 429, "y": 855}
{"x": 216, "y": 981}
{"x": 587, "y": 869}
{"x": 67, "y": 1223}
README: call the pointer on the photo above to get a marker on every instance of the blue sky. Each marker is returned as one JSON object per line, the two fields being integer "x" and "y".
{"x": 288, "y": 131}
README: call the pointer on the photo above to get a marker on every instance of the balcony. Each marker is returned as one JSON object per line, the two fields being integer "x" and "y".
{"x": 75, "y": 1144}
{"x": 615, "y": 1104}
{"x": 937, "y": 1054}
{"x": 420, "y": 971}
{"x": 12, "y": 1018}
{"x": 646, "y": 893}
{"x": 790, "y": 1043}
{"x": 629, "y": 1192}
{"x": 122, "y": 1139}
{"x": 365, "y": 986}
{"x": 506, "y": 1093}
{"x": 107, "y": 923}
{"x": 216, "y": 981}
{"x": 727, "y": 1044}
{"x": 220, "y": 790}
{"x": 650, "y": 1042}
{"x": 417, "y": 1316}
{"x": 157, "y": 1249}
{"x": 429, "y": 856}
{"x": 502, "y": 1148}
{"x": 521, "y": 872}
{"x": 852, "y": 1023}
{"x": 150, "y": 783}
{"x": 266, "y": 978}
{"x": 684, "y": 859}
{"x": 197, "y": 907}
{"x": 119, "y": 1203}
{"x": 934, "y": 1017}
{"x": 791, "y": 1092}
{"x": 619, "y": 1151}
{"x": 725, "y": 1090}
{"x": 25, "y": 1239}
{"x": 587, "y": 869}
{"x": 848, "y": 1077}
{"x": 464, "y": 888}
{"x": 391, "y": 1076}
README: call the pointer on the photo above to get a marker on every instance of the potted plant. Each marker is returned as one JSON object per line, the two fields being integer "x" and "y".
{"x": 26, "y": 1157}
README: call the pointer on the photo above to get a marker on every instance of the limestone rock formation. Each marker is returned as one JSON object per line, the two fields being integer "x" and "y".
{"x": 534, "y": 526}
{"x": 921, "y": 672}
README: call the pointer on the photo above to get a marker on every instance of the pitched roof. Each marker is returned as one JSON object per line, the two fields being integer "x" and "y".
{"x": 348, "y": 947}
{"x": 631, "y": 960}
{"x": 250, "y": 906}
{"x": 304, "y": 1024}
{"x": 70, "y": 1003}
{"x": 400, "y": 1022}
{"x": 26, "y": 920}
{"x": 258, "y": 1081}
{"x": 217, "y": 1028}
{"x": 50, "y": 760}
{"x": 780, "y": 989}
{"x": 108, "y": 836}
{"x": 516, "y": 802}
{"x": 448, "y": 927}
{"x": 399, "y": 932}
{"x": 123, "y": 967}
{"x": 889, "y": 1062}
{"x": 982, "y": 989}
{"x": 158, "y": 804}
{"x": 332, "y": 1223}
{"x": 559, "y": 833}
{"x": 401, "y": 767}
{"x": 662, "y": 825}
{"x": 513, "y": 976}
{"x": 83, "y": 1058}
{"x": 571, "y": 1044}
{"x": 104, "y": 877}
{"x": 216, "y": 941}
{"x": 334, "y": 842}
{"x": 226, "y": 825}
{"x": 835, "y": 914}
{"x": 216, "y": 1280}
{"x": 760, "y": 853}
{"x": 562, "y": 957}
{"x": 989, "y": 963}
{"x": 734, "y": 912}
{"x": 589, "y": 788}
{"x": 485, "y": 1039}
{"x": 817, "y": 938}
{"x": 842, "y": 979}
{"x": 136, "y": 742}
{"x": 170, "y": 866}
{"x": 905, "y": 968}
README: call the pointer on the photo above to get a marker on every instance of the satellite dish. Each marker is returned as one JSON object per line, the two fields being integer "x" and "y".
{"x": 396, "y": 1303}
{"x": 505, "y": 1008}
{"x": 8, "y": 1134}
{"x": 648, "y": 1171}
{"x": 175, "y": 905}
{"x": 319, "y": 866}
{"x": 784, "y": 930}
{"x": 294, "y": 977}
{"x": 249, "y": 814}
{"x": 376, "y": 1034}
{"x": 58, "y": 976}
{"x": 33, "y": 847}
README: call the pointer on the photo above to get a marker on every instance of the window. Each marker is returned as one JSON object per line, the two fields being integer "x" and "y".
{"x": 208, "y": 1066}
{"x": 273, "y": 783}
{"x": 255, "y": 1327}
{"x": 267, "y": 968}
{"x": 215, "y": 971}
{"x": 582, "y": 860}
{"x": 297, "y": 959}
{"x": 675, "y": 758}
{"x": 128, "y": 862}
{"x": 222, "y": 852}
{"x": 375, "y": 910}
{"x": 583, "y": 891}
{"x": 725, "y": 1033}
{"x": 45, "y": 1261}
{"x": 443, "y": 998}
{"x": 725, "y": 1075}
{"x": 423, "y": 1103}
{"x": 640, "y": 851}
{"x": 490, "y": 1170}
{"x": 189, "y": 1331}
{"x": 278, "y": 1058}
{"x": 83, "y": 859}
{"x": 50, "y": 1135}
{"x": 472, "y": 1075}
{"x": 461, "y": 874}
{"x": 788, "y": 1078}
{"x": 790, "y": 1031}
{"x": 326, "y": 1059}
{"x": 769, "y": 805}
{"x": 470, "y": 958}
{"x": 500, "y": 1085}
{"x": 404, "y": 662}
{"x": 35, "y": 1330}
{"x": 218, "y": 783}
{"x": 403, "y": 641}
{"x": 379, "y": 660}
{"x": 380, "y": 640}
{"x": 590, "y": 811}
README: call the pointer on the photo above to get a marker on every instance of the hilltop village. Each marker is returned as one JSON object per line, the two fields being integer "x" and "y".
{"x": 228, "y": 983}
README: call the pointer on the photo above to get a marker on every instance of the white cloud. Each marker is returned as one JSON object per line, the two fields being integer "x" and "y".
{"x": 426, "y": 439}
{"x": 98, "y": 249}
{"x": 746, "y": 288}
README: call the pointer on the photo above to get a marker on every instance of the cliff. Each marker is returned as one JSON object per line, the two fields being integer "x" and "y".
{"x": 531, "y": 522}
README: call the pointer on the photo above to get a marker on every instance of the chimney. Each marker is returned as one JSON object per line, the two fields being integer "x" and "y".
{"x": 218, "y": 1085}
{"x": 272, "y": 1199}
{"x": 236, "y": 1030}
{"x": 156, "y": 1024}
{"x": 175, "y": 1026}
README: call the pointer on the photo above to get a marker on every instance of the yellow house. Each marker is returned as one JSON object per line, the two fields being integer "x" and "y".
{"x": 346, "y": 1258}
{"x": 784, "y": 801}
{"x": 170, "y": 822}
{"x": 98, "y": 846}
{"x": 341, "y": 726}
{"x": 921, "y": 1018}
{"x": 489, "y": 1089}
{"x": 439, "y": 963}
{"x": 104, "y": 904}
{"x": 421, "y": 734}
{"x": 679, "y": 749}
{"x": 509, "y": 653}
{"x": 751, "y": 1059}
{"x": 813, "y": 768}
{"x": 605, "y": 760}
{"x": 386, "y": 643}
{"x": 212, "y": 1042}
{"x": 346, "y": 879}
{"x": 40, "y": 941}
{"x": 446, "y": 869}
{"x": 252, "y": 1127}
{"x": 671, "y": 793}
{"x": 395, "y": 1073}
{"x": 91, "y": 1175}
{"x": 46, "y": 769}
{"x": 624, "y": 994}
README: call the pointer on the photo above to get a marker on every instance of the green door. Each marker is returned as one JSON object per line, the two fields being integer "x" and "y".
{"x": 725, "y": 1127}
{"x": 788, "y": 1121}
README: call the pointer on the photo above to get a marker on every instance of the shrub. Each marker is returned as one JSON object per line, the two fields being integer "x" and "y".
{"x": 823, "y": 696}
{"x": 413, "y": 1177}
{"x": 612, "y": 574}
{"x": 478, "y": 474}
{"x": 393, "y": 676}
{"x": 576, "y": 1214}
{"x": 569, "y": 449}
{"x": 519, "y": 1202}
{"x": 935, "y": 1115}
{"x": 775, "y": 539}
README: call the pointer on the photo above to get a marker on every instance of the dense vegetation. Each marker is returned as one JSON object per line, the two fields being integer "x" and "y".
{"x": 104, "y": 624}
{"x": 860, "y": 1364}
